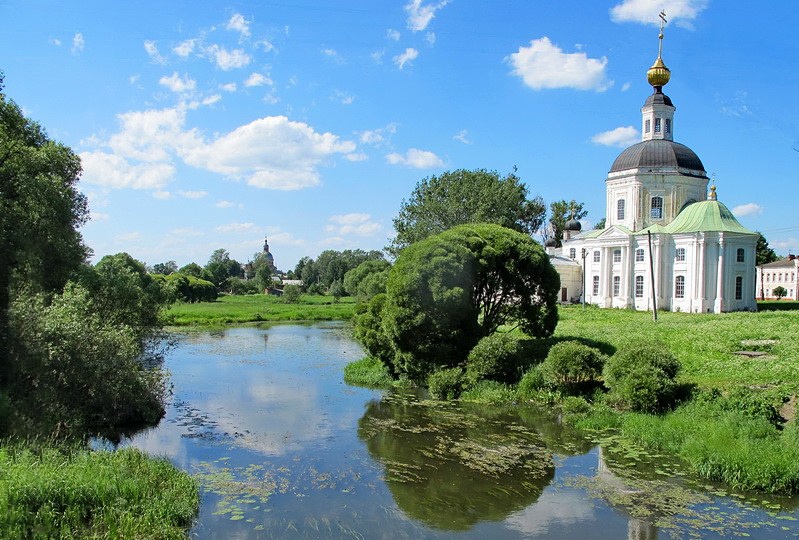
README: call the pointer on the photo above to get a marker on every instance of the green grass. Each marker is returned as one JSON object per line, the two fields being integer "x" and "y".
{"x": 367, "y": 372}
{"x": 259, "y": 308}
{"x": 71, "y": 494}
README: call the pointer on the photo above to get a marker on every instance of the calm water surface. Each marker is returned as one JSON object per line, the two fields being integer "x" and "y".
{"x": 283, "y": 448}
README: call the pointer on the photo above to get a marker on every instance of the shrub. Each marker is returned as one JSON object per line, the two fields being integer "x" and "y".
{"x": 641, "y": 377}
{"x": 446, "y": 383}
{"x": 291, "y": 294}
{"x": 575, "y": 405}
{"x": 369, "y": 333}
{"x": 496, "y": 358}
{"x": 531, "y": 383}
{"x": 570, "y": 364}
{"x": 493, "y": 392}
{"x": 368, "y": 372}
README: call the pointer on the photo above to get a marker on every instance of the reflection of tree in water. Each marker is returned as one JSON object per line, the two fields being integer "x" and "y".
{"x": 452, "y": 468}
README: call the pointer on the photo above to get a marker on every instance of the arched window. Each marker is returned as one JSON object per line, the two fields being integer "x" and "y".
{"x": 596, "y": 286}
{"x": 617, "y": 255}
{"x": 668, "y": 125}
{"x": 639, "y": 286}
{"x": 679, "y": 255}
{"x": 739, "y": 255}
{"x": 639, "y": 255}
{"x": 620, "y": 209}
{"x": 616, "y": 285}
{"x": 679, "y": 287}
{"x": 739, "y": 287}
{"x": 656, "y": 211}
{"x": 657, "y": 125}
{"x": 647, "y": 125}
{"x": 596, "y": 256}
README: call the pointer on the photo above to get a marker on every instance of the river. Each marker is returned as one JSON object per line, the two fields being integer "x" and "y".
{"x": 283, "y": 448}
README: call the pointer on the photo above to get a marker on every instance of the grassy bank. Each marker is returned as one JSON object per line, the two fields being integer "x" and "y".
{"x": 51, "y": 493}
{"x": 259, "y": 308}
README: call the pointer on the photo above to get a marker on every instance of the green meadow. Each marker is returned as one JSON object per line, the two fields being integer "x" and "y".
{"x": 259, "y": 308}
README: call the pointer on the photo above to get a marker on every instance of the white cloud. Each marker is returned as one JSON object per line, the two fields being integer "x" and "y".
{"x": 56, "y": 42}
{"x": 257, "y": 79}
{"x": 266, "y": 46}
{"x": 210, "y": 100}
{"x": 78, "y": 43}
{"x": 185, "y": 48}
{"x": 682, "y": 12}
{"x": 193, "y": 194}
{"x": 462, "y": 136}
{"x": 110, "y": 170}
{"x": 150, "y": 135}
{"x": 360, "y": 156}
{"x": 347, "y": 224}
{"x": 417, "y": 159}
{"x": 271, "y": 152}
{"x": 343, "y": 97}
{"x": 625, "y": 87}
{"x": 229, "y": 87}
{"x": 284, "y": 239}
{"x": 178, "y": 84}
{"x": 789, "y": 245}
{"x": 227, "y": 60}
{"x": 392, "y": 34}
{"x": 97, "y": 217}
{"x": 620, "y": 136}
{"x": 419, "y": 16}
{"x": 333, "y": 55}
{"x": 237, "y": 228}
{"x": 133, "y": 79}
{"x": 408, "y": 56}
{"x": 430, "y": 38}
{"x": 162, "y": 195}
{"x": 377, "y": 56}
{"x": 375, "y": 137}
{"x": 749, "y": 209}
{"x": 544, "y": 65}
{"x": 152, "y": 51}
{"x": 225, "y": 204}
{"x": 128, "y": 237}
{"x": 239, "y": 24}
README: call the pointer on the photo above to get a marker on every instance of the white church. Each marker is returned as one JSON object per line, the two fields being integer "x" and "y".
{"x": 668, "y": 242}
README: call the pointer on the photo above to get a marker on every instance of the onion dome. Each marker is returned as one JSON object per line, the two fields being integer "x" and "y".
{"x": 573, "y": 225}
{"x": 657, "y": 154}
{"x": 551, "y": 243}
{"x": 706, "y": 216}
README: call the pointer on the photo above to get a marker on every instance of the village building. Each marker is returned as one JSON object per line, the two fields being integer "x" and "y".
{"x": 783, "y": 273}
{"x": 668, "y": 242}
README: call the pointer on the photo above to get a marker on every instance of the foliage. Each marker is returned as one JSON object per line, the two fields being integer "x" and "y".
{"x": 220, "y": 267}
{"x": 165, "y": 268}
{"x": 763, "y": 253}
{"x": 40, "y": 210}
{"x": 53, "y": 493}
{"x": 195, "y": 270}
{"x": 446, "y": 383}
{"x": 331, "y": 266}
{"x": 570, "y": 364}
{"x": 337, "y": 290}
{"x": 187, "y": 288}
{"x": 367, "y": 279}
{"x": 531, "y": 383}
{"x": 491, "y": 392}
{"x": 369, "y": 372}
{"x": 779, "y": 291}
{"x": 235, "y": 285}
{"x": 291, "y": 294}
{"x": 641, "y": 377}
{"x": 450, "y": 290}
{"x": 575, "y": 405}
{"x": 562, "y": 211}
{"x": 600, "y": 224}
{"x": 496, "y": 357}
{"x": 370, "y": 334}
{"x": 457, "y": 197}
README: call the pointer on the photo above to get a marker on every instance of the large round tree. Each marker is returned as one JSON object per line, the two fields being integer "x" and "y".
{"x": 448, "y": 291}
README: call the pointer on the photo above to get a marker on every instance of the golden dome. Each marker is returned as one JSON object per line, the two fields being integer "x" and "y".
{"x": 658, "y": 74}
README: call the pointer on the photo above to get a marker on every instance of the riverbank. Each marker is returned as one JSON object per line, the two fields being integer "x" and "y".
{"x": 743, "y": 373}
{"x": 227, "y": 310}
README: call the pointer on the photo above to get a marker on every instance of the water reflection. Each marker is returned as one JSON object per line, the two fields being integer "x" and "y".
{"x": 451, "y": 468}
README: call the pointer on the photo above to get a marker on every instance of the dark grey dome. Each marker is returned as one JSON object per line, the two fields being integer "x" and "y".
{"x": 658, "y": 153}
{"x": 658, "y": 98}
{"x": 551, "y": 242}
{"x": 573, "y": 225}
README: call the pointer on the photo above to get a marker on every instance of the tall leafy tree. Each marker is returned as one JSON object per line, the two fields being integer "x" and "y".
{"x": 40, "y": 212}
{"x": 441, "y": 202}
{"x": 763, "y": 253}
{"x": 560, "y": 212}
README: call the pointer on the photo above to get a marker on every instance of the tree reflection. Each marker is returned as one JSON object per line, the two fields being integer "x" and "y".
{"x": 451, "y": 467}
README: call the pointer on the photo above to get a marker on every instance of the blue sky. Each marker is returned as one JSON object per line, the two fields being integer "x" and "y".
{"x": 209, "y": 124}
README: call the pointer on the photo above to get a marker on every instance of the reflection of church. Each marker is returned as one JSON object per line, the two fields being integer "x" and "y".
{"x": 666, "y": 242}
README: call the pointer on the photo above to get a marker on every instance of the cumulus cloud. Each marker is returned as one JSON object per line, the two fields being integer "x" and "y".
{"x": 78, "y": 43}
{"x": 257, "y": 79}
{"x": 349, "y": 224}
{"x": 113, "y": 171}
{"x": 360, "y": 156}
{"x": 185, "y": 48}
{"x": 416, "y": 159}
{"x": 162, "y": 195}
{"x": 271, "y": 152}
{"x": 343, "y": 97}
{"x": 227, "y": 60}
{"x": 462, "y": 136}
{"x": 620, "y": 136}
{"x": 239, "y": 24}
{"x": 419, "y": 15}
{"x": 229, "y": 87}
{"x": 178, "y": 84}
{"x": 749, "y": 209}
{"x": 544, "y": 65}
{"x": 682, "y": 12}
{"x": 193, "y": 194}
{"x": 210, "y": 100}
{"x": 392, "y": 34}
{"x": 226, "y": 204}
{"x": 407, "y": 57}
{"x": 151, "y": 49}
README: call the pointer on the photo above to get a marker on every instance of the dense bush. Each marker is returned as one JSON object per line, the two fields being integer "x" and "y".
{"x": 291, "y": 294}
{"x": 498, "y": 357}
{"x": 446, "y": 383}
{"x": 569, "y": 364}
{"x": 641, "y": 377}
{"x": 187, "y": 288}
{"x": 369, "y": 332}
{"x": 363, "y": 282}
{"x": 531, "y": 383}
{"x": 369, "y": 372}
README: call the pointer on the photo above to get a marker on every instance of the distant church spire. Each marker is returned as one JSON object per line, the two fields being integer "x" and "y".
{"x": 658, "y": 75}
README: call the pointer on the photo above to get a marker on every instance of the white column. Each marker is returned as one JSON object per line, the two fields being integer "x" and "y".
{"x": 719, "y": 305}
{"x": 701, "y": 284}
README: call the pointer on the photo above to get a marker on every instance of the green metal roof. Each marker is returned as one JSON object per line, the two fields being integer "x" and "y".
{"x": 705, "y": 216}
